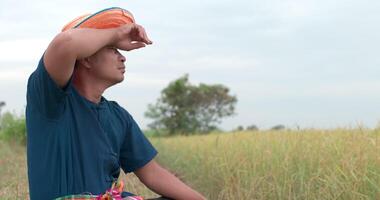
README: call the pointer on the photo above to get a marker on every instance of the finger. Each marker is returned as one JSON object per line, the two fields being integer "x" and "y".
{"x": 136, "y": 45}
{"x": 143, "y": 35}
{"x": 146, "y": 36}
{"x": 141, "y": 32}
{"x": 137, "y": 35}
{"x": 133, "y": 32}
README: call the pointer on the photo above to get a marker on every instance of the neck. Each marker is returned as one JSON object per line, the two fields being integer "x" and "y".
{"x": 89, "y": 88}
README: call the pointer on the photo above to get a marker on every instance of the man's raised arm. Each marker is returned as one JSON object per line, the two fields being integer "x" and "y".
{"x": 75, "y": 44}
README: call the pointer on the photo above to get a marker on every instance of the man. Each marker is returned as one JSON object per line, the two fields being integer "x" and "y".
{"x": 77, "y": 139}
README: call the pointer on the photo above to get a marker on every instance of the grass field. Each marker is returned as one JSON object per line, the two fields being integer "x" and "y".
{"x": 304, "y": 164}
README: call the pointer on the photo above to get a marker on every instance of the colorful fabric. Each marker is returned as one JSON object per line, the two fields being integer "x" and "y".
{"x": 107, "y": 18}
{"x": 114, "y": 193}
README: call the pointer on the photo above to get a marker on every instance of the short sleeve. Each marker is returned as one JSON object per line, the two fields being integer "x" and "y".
{"x": 43, "y": 94}
{"x": 136, "y": 150}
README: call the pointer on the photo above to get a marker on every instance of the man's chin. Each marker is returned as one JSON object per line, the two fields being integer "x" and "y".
{"x": 120, "y": 80}
{"x": 116, "y": 81}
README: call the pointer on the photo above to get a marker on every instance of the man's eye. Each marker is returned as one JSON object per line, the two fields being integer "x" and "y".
{"x": 114, "y": 50}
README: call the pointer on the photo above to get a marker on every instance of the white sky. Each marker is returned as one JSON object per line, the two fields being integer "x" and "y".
{"x": 312, "y": 63}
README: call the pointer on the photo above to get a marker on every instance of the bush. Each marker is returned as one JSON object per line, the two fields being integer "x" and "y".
{"x": 278, "y": 127}
{"x": 240, "y": 128}
{"x": 13, "y": 128}
{"x": 252, "y": 128}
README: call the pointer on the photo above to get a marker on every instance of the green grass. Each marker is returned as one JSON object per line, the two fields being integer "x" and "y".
{"x": 308, "y": 164}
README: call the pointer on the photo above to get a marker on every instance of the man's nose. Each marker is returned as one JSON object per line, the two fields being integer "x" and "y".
{"x": 122, "y": 58}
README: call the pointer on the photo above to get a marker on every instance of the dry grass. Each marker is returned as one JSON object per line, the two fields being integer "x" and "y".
{"x": 309, "y": 164}
{"x": 14, "y": 182}
{"x": 133, "y": 185}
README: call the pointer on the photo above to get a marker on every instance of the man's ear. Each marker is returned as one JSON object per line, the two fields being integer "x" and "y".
{"x": 84, "y": 62}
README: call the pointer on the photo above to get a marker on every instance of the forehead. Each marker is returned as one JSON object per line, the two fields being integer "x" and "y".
{"x": 106, "y": 49}
{"x": 102, "y": 52}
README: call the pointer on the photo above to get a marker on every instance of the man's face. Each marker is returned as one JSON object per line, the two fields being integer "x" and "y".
{"x": 107, "y": 65}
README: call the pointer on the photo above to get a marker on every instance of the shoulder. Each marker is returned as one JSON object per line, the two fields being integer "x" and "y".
{"x": 116, "y": 107}
{"x": 119, "y": 110}
{"x": 39, "y": 71}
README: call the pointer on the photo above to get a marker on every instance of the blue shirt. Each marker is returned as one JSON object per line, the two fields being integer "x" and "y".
{"x": 75, "y": 146}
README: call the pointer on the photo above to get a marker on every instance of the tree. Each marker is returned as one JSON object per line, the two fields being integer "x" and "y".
{"x": 252, "y": 128}
{"x": 185, "y": 108}
{"x": 240, "y": 128}
{"x": 2, "y": 104}
{"x": 278, "y": 127}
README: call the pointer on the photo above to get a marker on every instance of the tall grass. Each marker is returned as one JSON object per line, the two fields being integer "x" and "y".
{"x": 310, "y": 164}
{"x": 13, "y": 175}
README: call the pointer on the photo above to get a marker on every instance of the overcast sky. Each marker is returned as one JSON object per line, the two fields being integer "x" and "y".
{"x": 312, "y": 63}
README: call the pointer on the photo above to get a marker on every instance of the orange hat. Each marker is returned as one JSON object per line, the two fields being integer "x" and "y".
{"x": 107, "y": 18}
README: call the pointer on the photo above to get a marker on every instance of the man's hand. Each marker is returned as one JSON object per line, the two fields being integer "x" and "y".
{"x": 131, "y": 36}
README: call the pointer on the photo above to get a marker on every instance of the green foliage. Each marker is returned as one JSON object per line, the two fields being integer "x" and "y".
{"x": 2, "y": 104}
{"x": 252, "y": 128}
{"x": 278, "y": 127}
{"x": 185, "y": 108}
{"x": 240, "y": 128}
{"x": 13, "y": 128}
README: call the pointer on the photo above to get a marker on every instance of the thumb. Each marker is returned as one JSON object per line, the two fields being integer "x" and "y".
{"x": 136, "y": 45}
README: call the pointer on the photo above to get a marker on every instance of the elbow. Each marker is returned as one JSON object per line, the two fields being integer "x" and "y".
{"x": 64, "y": 37}
{"x": 63, "y": 41}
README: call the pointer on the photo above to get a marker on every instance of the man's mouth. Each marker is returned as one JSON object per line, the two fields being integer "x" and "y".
{"x": 122, "y": 69}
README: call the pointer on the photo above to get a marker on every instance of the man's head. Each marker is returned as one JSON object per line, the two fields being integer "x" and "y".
{"x": 106, "y": 65}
